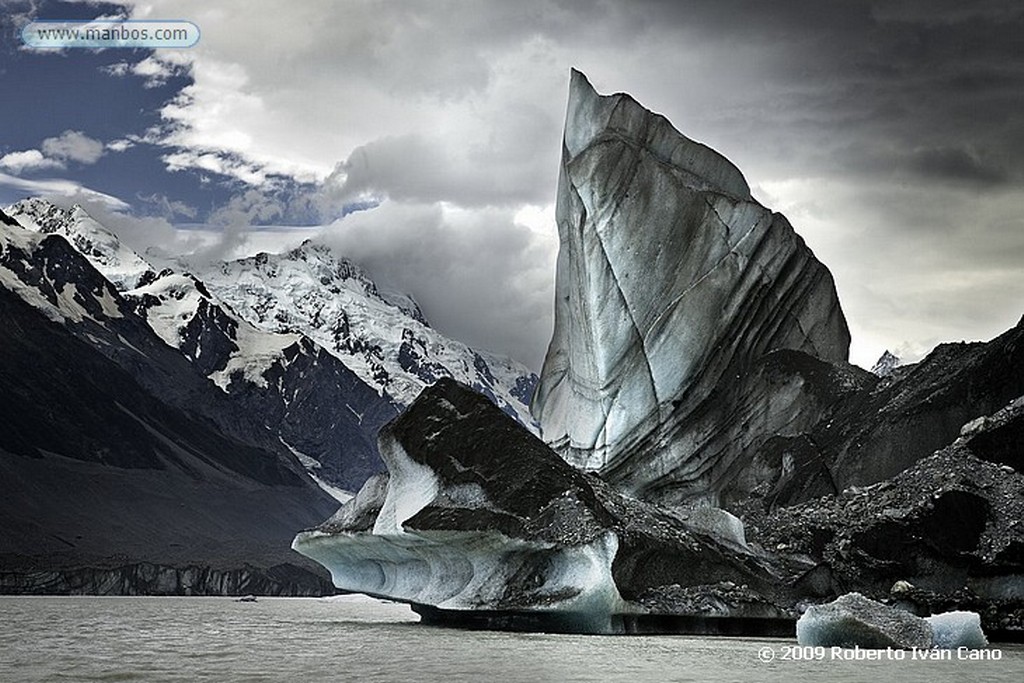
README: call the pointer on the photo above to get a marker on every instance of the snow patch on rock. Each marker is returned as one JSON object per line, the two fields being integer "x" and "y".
{"x": 412, "y": 486}
{"x": 175, "y": 302}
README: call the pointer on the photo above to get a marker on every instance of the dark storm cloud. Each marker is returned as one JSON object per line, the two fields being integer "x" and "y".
{"x": 895, "y": 129}
{"x": 931, "y": 80}
{"x": 951, "y": 163}
{"x": 954, "y": 163}
{"x": 414, "y": 168}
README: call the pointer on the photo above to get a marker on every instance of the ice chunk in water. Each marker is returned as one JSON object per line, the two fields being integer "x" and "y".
{"x": 855, "y": 621}
{"x": 951, "y": 630}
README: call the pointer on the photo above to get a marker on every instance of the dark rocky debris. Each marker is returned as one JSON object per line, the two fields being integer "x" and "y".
{"x": 947, "y": 532}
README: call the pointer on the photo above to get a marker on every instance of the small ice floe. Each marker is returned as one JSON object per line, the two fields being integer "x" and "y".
{"x": 952, "y": 630}
{"x": 856, "y": 621}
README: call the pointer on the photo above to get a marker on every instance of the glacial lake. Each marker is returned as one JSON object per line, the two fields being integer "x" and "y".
{"x": 354, "y": 638}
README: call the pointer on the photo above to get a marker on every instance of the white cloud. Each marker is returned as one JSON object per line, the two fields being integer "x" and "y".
{"x": 117, "y": 70}
{"x": 28, "y": 160}
{"x": 151, "y": 236}
{"x": 157, "y": 70}
{"x": 60, "y": 189}
{"x": 70, "y": 145}
{"x": 216, "y": 162}
{"x": 120, "y": 145}
{"x": 218, "y": 116}
{"x": 73, "y": 145}
{"x": 170, "y": 208}
{"x": 153, "y": 70}
{"x": 257, "y": 94}
{"x": 246, "y": 209}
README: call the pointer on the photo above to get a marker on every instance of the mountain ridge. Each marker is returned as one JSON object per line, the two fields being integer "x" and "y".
{"x": 216, "y": 323}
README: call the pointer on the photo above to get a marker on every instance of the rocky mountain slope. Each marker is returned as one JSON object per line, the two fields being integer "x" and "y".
{"x": 871, "y": 429}
{"x": 134, "y": 397}
{"x": 946, "y": 533}
{"x": 113, "y": 477}
{"x": 304, "y": 339}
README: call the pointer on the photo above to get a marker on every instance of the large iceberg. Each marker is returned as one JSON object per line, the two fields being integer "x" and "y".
{"x": 696, "y": 366}
{"x": 478, "y": 516}
{"x": 672, "y": 281}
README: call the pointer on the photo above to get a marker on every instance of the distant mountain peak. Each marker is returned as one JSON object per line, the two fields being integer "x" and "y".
{"x": 380, "y": 334}
{"x": 46, "y": 215}
{"x": 124, "y": 267}
{"x": 47, "y": 272}
{"x": 885, "y": 364}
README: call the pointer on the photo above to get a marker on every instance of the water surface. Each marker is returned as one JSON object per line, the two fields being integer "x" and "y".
{"x": 358, "y": 639}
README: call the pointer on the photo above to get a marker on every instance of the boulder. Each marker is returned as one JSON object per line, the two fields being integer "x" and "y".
{"x": 944, "y": 534}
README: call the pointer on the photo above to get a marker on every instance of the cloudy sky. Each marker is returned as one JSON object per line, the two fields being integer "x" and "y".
{"x": 425, "y": 137}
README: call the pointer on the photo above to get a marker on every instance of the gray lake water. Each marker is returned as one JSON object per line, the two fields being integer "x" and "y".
{"x": 358, "y": 639}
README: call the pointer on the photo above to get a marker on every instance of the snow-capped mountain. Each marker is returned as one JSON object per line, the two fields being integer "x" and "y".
{"x": 124, "y": 469}
{"x": 176, "y": 305}
{"x": 885, "y": 364}
{"x": 315, "y": 408}
{"x": 37, "y": 268}
{"x": 226, "y": 349}
{"x": 118, "y": 263}
{"x": 382, "y": 337}
{"x": 304, "y": 340}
